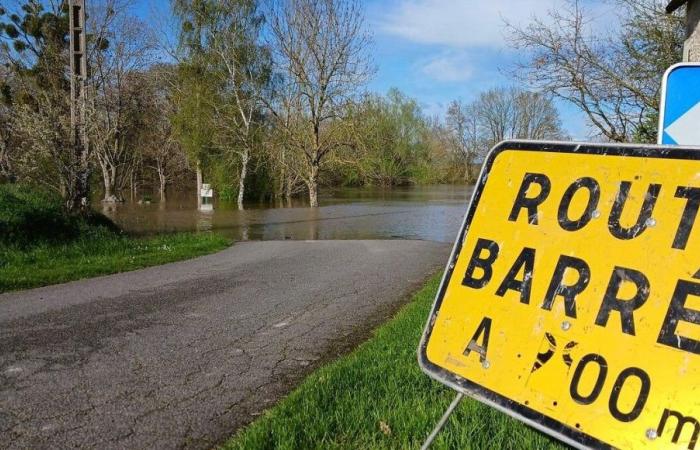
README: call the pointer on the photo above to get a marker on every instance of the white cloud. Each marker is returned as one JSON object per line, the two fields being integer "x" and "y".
{"x": 461, "y": 23}
{"x": 448, "y": 66}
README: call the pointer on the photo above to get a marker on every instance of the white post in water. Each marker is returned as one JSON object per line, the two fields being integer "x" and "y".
{"x": 206, "y": 195}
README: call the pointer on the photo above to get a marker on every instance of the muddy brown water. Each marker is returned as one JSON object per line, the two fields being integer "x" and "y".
{"x": 431, "y": 213}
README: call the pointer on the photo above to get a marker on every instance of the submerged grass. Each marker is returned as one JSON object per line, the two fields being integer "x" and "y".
{"x": 377, "y": 398}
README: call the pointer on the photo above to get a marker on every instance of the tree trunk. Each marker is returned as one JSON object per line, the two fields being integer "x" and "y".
{"x": 282, "y": 187}
{"x": 241, "y": 181}
{"x": 109, "y": 180}
{"x": 80, "y": 198}
{"x": 116, "y": 189}
{"x": 288, "y": 191}
{"x": 106, "y": 180}
{"x": 312, "y": 184}
{"x": 199, "y": 186}
{"x": 163, "y": 185}
{"x": 468, "y": 173}
{"x": 6, "y": 174}
{"x": 470, "y": 167}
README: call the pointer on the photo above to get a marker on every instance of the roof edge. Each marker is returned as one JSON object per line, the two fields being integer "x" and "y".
{"x": 674, "y": 5}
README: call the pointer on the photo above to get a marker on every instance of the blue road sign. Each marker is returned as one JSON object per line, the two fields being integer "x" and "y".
{"x": 679, "y": 123}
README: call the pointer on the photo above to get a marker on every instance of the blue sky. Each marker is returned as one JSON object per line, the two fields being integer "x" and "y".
{"x": 439, "y": 50}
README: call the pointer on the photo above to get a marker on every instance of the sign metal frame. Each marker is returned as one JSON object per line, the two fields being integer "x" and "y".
{"x": 662, "y": 103}
{"x": 531, "y": 417}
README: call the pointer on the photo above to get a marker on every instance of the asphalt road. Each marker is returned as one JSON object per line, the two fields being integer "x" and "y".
{"x": 182, "y": 355}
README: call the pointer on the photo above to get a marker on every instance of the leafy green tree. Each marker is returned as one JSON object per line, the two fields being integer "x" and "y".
{"x": 35, "y": 42}
{"x": 390, "y": 142}
{"x": 194, "y": 97}
{"x": 242, "y": 66}
{"x": 194, "y": 90}
{"x": 221, "y": 42}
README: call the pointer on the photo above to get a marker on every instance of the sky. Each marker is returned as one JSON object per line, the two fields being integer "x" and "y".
{"x": 437, "y": 51}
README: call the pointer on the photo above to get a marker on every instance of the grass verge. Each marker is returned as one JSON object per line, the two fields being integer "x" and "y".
{"x": 99, "y": 253}
{"x": 377, "y": 398}
{"x": 41, "y": 244}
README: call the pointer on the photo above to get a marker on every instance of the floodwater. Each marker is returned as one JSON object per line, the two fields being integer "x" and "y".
{"x": 426, "y": 212}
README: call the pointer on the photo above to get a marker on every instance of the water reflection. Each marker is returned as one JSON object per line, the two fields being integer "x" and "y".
{"x": 204, "y": 219}
{"x": 430, "y": 213}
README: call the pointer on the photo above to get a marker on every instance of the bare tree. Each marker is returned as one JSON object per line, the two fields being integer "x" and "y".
{"x": 117, "y": 84}
{"x": 321, "y": 47}
{"x": 536, "y": 116}
{"x": 286, "y": 163}
{"x": 510, "y": 113}
{"x": 499, "y": 114}
{"x": 615, "y": 78}
{"x": 163, "y": 154}
{"x": 44, "y": 130}
{"x": 464, "y": 134}
{"x": 160, "y": 150}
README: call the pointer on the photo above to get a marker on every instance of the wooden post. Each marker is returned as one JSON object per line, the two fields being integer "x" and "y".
{"x": 691, "y": 48}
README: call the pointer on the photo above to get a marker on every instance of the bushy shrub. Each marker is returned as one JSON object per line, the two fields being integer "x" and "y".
{"x": 31, "y": 216}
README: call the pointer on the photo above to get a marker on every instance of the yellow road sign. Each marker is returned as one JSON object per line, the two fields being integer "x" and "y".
{"x": 572, "y": 297}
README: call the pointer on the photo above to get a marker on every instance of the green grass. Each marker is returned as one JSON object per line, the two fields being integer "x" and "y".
{"x": 29, "y": 216}
{"x": 97, "y": 253}
{"x": 41, "y": 244}
{"x": 377, "y": 398}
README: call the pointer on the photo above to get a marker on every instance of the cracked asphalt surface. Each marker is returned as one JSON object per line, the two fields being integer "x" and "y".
{"x": 181, "y": 355}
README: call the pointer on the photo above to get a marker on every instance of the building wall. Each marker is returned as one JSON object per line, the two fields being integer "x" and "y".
{"x": 692, "y": 43}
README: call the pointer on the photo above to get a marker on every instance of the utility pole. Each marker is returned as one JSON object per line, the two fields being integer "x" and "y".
{"x": 691, "y": 49}
{"x": 78, "y": 86}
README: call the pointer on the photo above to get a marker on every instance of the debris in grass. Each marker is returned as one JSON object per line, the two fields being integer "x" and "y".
{"x": 386, "y": 429}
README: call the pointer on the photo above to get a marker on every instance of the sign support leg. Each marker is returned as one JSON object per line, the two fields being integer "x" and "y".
{"x": 442, "y": 422}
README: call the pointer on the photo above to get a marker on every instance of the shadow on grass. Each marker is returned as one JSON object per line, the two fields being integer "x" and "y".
{"x": 41, "y": 244}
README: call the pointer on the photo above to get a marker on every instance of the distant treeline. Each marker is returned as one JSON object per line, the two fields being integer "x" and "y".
{"x": 270, "y": 100}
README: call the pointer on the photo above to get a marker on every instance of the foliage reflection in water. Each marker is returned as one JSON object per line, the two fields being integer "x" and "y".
{"x": 425, "y": 212}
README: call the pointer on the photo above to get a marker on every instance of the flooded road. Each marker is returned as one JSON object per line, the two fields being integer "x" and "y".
{"x": 431, "y": 213}
{"x": 183, "y": 355}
